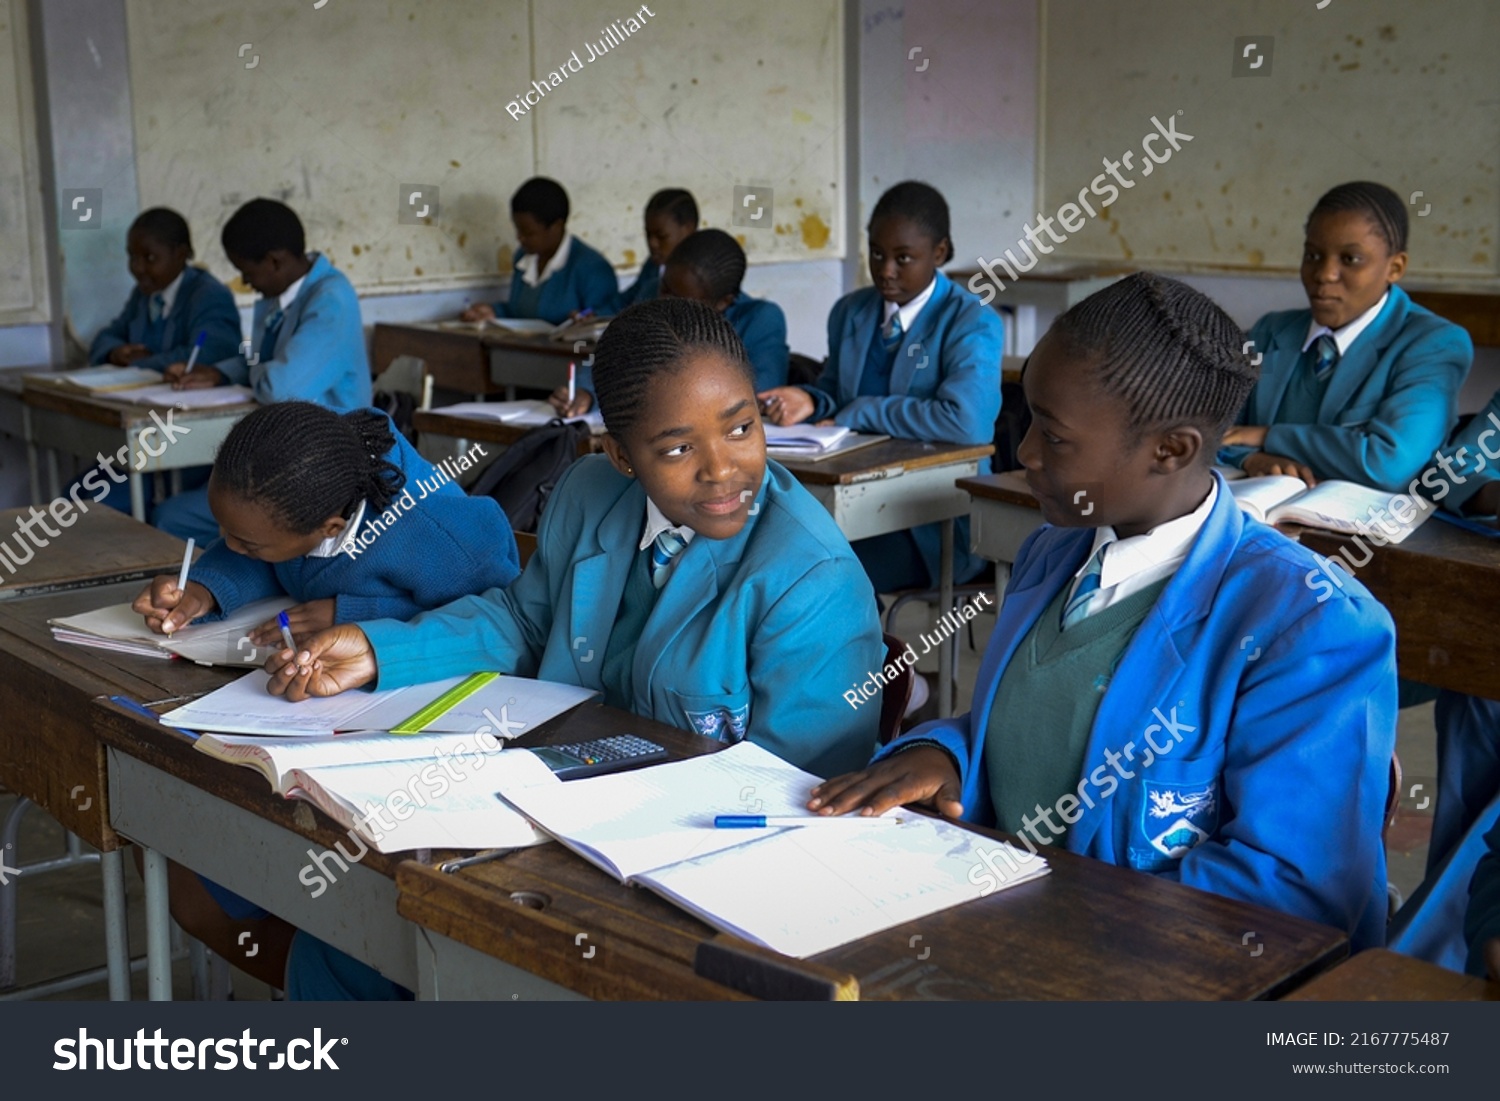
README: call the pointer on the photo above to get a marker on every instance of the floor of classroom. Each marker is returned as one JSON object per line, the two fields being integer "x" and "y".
{"x": 60, "y": 929}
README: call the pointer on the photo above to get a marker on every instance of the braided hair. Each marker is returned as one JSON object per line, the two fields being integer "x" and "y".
{"x": 165, "y": 227}
{"x": 260, "y": 227}
{"x": 1168, "y": 351}
{"x": 676, "y": 203}
{"x": 1376, "y": 202}
{"x": 917, "y": 202}
{"x": 544, "y": 199}
{"x": 304, "y": 463}
{"x": 651, "y": 338}
{"x": 715, "y": 258}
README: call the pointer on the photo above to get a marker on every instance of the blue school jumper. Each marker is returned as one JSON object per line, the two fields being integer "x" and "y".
{"x": 1389, "y": 404}
{"x": 1483, "y": 920}
{"x": 941, "y": 384}
{"x": 202, "y": 305}
{"x": 585, "y": 282}
{"x": 1471, "y": 460}
{"x": 315, "y": 351}
{"x": 647, "y": 286}
{"x": 1292, "y": 740}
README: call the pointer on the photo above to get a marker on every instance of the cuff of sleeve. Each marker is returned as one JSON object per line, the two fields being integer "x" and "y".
{"x": 823, "y": 404}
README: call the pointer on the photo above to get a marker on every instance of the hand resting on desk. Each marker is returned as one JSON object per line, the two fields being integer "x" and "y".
{"x": 330, "y": 662}
{"x": 923, "y": 774}
{"x": 304, "y": 619}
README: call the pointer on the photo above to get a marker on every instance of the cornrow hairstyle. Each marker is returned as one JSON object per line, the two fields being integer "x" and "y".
{"x": 919, "y": 202}
{"x": 260, "y": 227}
{"x": 544, "y": 199}
{"x": 1168, "y": 351}
{"x": 676, "y": 203}
{"x": 1376, "y": 202}
{"x": 165, "y": 227}
{"x": 305, "y": 463}
{"x": 715, "y": 258}
{"x": 651, "y": 338}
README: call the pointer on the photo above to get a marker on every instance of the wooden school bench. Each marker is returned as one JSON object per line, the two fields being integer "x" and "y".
{"x": 1379, "y": 975}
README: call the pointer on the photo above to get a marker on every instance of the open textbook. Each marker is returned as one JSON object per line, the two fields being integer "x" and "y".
{"x": 210, "y": 397}
{"x": 1335, "y": 506}
{"x": 459, "y": 704}
{"x": 795, "y": 890}
{"x": 221, "y": 642}
{"x": 807, "y": 441}
{"x": 99, "y": 380}
{"x": 526, "y": 413}
{"x": 432, "y": 791}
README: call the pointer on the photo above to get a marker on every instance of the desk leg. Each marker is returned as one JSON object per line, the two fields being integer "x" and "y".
{"x": 34, "y": 469}
{"x": 137, "y": 497}
{"x": 945, "y": 604}
{"x": 116, "y": 934}
{"x": 53, "y": 482}
{"x": 158, "y": 929}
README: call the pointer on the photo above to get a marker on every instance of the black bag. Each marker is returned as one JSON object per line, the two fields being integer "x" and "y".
{"x": 400, "y": 407}
{"x": 522, "y": 478}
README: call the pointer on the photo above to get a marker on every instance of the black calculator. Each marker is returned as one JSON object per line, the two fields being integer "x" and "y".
{"x": 578, "y": 759}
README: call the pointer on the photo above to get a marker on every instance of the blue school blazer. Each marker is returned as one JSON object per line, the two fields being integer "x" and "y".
{"x": 320, "y": 349}
{"x": 1472, "y": 456}
{"x": 202, "y": 305}
{"x": 1254, "y": 734}
{"x": 762, "y": 328}
{"x": 439, "y": 544}
{"x": 1390, "y": 404}
{"x": 647, "y": 286}
{"x": 756, "y": 636}
{"x": 1483, "y": 921}
{"x": 586, "y": 282}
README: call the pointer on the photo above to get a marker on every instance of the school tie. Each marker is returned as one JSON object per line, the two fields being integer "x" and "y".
{"x": 1326, "y": 350}
{"x": 156, "y": 308}
{"x": 666, "y": 547}
{"x": 891, "y": 332}
{"x": 1077, "y": 608}
{"x": 272, "y": 330}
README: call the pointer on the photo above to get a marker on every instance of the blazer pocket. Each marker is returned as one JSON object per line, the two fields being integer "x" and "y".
{"x": 1357, "y": 415}
{"x": 723, "y": 716}
{"x": 1173, "y": 807}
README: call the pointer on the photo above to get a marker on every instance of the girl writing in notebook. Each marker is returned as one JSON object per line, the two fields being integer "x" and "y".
{"x": 1363, "y": 384}
{"x": 341, "y": 515}
{"x": 1163, "y": 690}
{"x": 682, "y": 575}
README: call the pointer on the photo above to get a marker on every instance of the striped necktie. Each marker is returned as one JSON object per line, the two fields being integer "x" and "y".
{"x": 891, "y": 332}
{"x": 156, "y": 308}
{"x": 1077, "y": 608}
{"x": 1326, "y": 351}
{"x": 666, "y": 547}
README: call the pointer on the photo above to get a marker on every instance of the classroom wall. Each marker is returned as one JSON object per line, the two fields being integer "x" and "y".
{"x": 23, "y": 275}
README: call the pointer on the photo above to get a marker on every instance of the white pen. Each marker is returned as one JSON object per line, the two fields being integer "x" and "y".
{"x": 187, "y": 562}
{"x": 193, "y": 355}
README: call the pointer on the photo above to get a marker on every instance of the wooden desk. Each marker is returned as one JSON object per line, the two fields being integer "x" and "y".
{"x": 1379, "y": 975}
{"x": 1087, "y": 931}
{"x": 456, "y": 359}
{"x": 534, "y": 362}
{"x": 1002, "y": 515}
{"x": 1442, "y": 586}
{"x": 92, "y": 426}
{"x": 99, "y": 547}
{"x": 893, "y": 486}
{"x": 54, "y": 757}
{"x": 440, "y": 435}
{"x": 14, "y": 421}
{"x": 1479, "y": 313}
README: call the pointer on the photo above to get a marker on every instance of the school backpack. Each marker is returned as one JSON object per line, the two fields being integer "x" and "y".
{"x": 521, "y": 479}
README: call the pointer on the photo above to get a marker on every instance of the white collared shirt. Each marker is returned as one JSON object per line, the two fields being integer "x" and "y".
{"x": 657, "y": 522}
{"x": 527, "y": 264}
{"x": 909, "y": 311}
{"x": 335, "y": 544}
{"x": 288, "y": 296}
{"x": 1139, "y": 561}
{"x": 169, "y": 293}
{"x": 1349, "y": 333}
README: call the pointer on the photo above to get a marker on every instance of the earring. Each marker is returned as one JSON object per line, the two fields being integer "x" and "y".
{"x": 630, "y": 470}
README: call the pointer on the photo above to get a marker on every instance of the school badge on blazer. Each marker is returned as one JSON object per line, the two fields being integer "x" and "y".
{"x": 1174, "y": 818}
{"x": 724, "y": 724}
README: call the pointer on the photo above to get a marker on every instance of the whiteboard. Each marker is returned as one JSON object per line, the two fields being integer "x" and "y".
{"x": 333, "y": 110}
{"x": 22, "y": 277}
{"x": 1384, "y": 90}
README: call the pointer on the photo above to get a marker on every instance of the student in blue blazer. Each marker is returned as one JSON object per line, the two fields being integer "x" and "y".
{"x": 1483, "y": 923}
{"x": 708, "y": 267}
{"x": 671, "y": 218}
{"x": 306, "y": 339}
{"x": 682, "y": 575}
{"x": 916, "y": 357}
{"x": 1179, "y": 690}
{"x": 172, "y": 303}
{"x": 1363, "y": 385}
{"x": 339, "y": 514}
{"x": 556, "y": 275}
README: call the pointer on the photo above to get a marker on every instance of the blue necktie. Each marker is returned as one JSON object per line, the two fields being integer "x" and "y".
{"x": 1326, "y": 353}
{"x": 1077, "y": 608}
{"x": 666, "y": 547}
{"x": 272, "y": 329}
{"x": 156, "y": 308}
{"x": 891, "y": 332}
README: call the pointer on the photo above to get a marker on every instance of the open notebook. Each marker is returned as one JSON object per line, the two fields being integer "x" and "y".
{"x": 224, "y": 642}
{"x": 799, "y": 891}
{"x": 527, "y": 414}
{"x": 436, "y": 791}
{"x": 210, "y": 397}
{"x": 1335, "y": 506}
{"x": 807, "y": 441}
{"x": 99, "y": 380}
{"x": 508, "y": 706}
{"x": 521, "y": 326}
